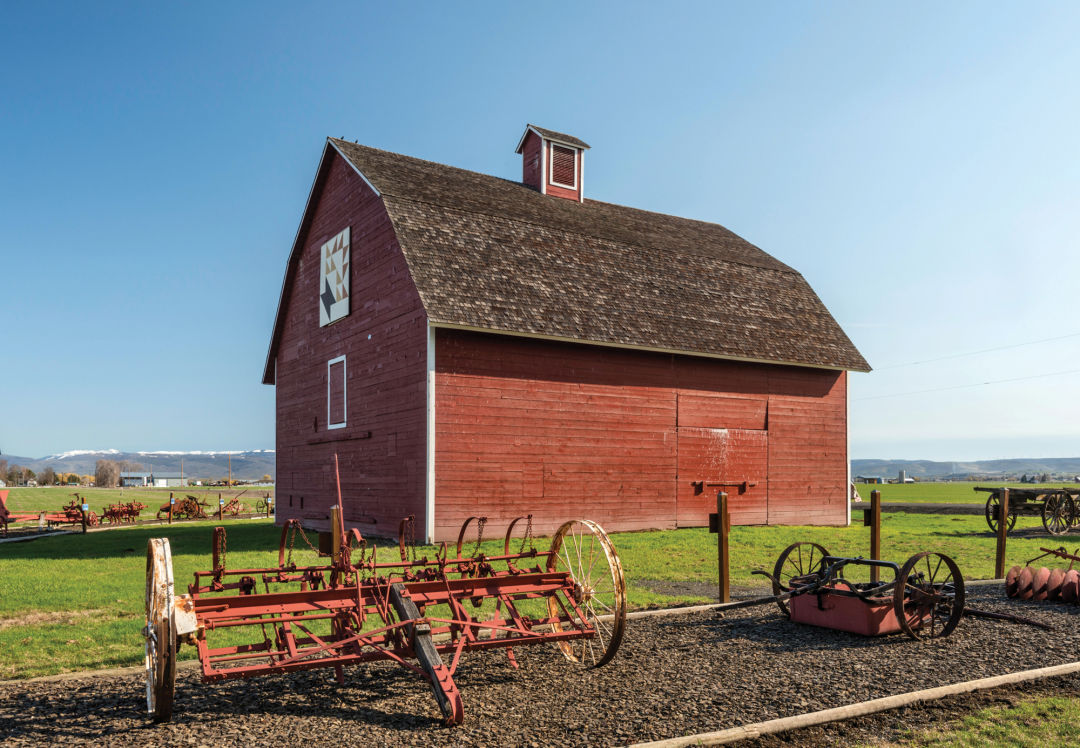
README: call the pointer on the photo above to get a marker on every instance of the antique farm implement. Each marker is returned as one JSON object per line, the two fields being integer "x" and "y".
{"x": 924, "y": 598}
{"x": 123, "y": 513}
{"x": 1059, "y": 508}
{"x": 1041, "y": 583}
{"x": 189, "y": 507}
{"x": 235, "y": 507}
{"x": 360, "y": 608}
{"x": 71, "y": 513}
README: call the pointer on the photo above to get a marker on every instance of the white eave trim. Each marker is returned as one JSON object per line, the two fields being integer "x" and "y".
{"x": 367, "y": 181}
{"x": 631, "y": 347}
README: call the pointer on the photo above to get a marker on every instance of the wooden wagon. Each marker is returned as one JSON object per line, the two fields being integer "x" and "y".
{"x": 1058, "y": 507}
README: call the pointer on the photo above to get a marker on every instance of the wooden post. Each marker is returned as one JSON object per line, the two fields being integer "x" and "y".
{"x": 171, "y": 500}
{"x": 84, "y": 520}
{"x": 724, "y": 522}
{"x": 1003, "y": 531}
{"x": 220, "y": 507}
{"x": 269, "y": 503}
{"x": 335, "y": 532}
{"x": 875, "y": 533}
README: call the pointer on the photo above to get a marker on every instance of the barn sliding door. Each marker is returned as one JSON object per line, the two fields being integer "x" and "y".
{"x": 735, "y": 456}
{"x": 722, "y": 439}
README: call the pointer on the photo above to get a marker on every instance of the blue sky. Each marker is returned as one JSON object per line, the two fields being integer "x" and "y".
{"x": 917, "y": 162}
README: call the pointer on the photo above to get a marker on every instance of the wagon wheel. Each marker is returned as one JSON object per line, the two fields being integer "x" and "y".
{"x": 1058, "y": 511}
{"x": 92, "y": 519}
{"x": 993, "y": 511}
{"x": 797, "y": 560}
{"x": 581, "y": 548}
{"x": 159, "y": 632}
{"x": 929, "y": 595}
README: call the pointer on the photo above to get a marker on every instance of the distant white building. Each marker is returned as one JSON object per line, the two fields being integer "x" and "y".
{"x": 157, "y": 480}
{"x": 168, "y": 480}
{"x": 132, "y": 480}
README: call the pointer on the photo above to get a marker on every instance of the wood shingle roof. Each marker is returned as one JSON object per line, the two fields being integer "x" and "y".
{"x": 492, "y": 254}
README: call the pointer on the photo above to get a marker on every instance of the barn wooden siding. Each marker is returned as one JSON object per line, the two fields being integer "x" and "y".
{"x": 384, "y": 339}
{"x": 567, "y": 430}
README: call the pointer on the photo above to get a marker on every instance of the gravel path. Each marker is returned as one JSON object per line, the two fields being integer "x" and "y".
{"x": 673, "y": 676}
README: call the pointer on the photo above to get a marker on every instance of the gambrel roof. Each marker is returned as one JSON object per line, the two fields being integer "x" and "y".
{"x": 495, "y": 255}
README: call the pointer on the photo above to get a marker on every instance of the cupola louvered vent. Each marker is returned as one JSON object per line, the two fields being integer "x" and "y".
{"x": 563, "y": 166}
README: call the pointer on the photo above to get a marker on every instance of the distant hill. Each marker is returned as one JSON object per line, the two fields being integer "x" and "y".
{"x": 1060, "y": 467}
{"x": 246, "y": 465}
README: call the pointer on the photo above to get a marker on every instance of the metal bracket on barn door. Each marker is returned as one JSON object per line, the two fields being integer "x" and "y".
{"x": 743, "y": 486}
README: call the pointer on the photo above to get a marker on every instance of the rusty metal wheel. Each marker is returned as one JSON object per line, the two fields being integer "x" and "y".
{"x": 929, "y": 596}
{"x": 159, "y": 632}
{"x": 993, "y": 511}
{"x": 582, "y": 549}
{"x": 1058, "y": 512}
{"x": 797, "y": 560}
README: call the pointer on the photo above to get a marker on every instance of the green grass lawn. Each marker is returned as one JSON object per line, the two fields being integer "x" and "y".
{"x": 54, "y": 498}
{"x": 75, "y": 602}
{"x": 1038, "y": 722}
{"x": 960, "y": 492}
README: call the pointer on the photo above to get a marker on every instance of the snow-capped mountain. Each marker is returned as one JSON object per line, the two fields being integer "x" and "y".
{"x": 247, "y": 464}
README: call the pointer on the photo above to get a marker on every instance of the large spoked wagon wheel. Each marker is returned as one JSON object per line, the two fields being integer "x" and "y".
{"x": 797, "y": 560}
{"x": 581, "y": 548}
{"x": 159, "y": 632}
{"x": 993, "y": 511}
{"x": 929, "y": 596}
{"x": 1058, "y": 512}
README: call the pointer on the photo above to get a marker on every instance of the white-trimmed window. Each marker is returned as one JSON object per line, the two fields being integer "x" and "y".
{"x": 335, "y": 393}
{"x": 563, "y": 166}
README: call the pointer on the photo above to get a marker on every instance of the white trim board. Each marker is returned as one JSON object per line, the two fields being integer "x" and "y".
{"x": 344, "y": 393}
{"x": 429, "y": 482}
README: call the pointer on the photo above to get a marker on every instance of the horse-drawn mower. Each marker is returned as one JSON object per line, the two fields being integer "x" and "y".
{"x": 421, "y": 613}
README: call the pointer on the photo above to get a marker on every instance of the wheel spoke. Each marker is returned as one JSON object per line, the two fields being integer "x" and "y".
{"x": 606, "y": 607}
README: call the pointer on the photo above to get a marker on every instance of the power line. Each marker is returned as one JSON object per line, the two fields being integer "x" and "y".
{"x": 973, "y": 384}
{"x": 979, "y": 352}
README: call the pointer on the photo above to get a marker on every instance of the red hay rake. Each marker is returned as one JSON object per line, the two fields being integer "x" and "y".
{"x": 360, "y": 609}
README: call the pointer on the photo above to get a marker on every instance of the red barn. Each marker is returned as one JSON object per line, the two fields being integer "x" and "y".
{"x": 470, "y": 345}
